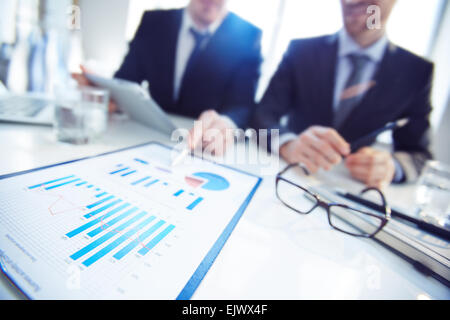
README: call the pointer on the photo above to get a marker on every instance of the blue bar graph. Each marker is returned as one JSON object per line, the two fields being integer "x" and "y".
{"x": 120, "y": 170}
{"x": 128, "y": 173}
{"x": 62, "y": 184}
{"x": 112, "y": 222}
{"x": 81, "y": 184}
{"x": 195, "y": 203}
{"x": 97, "y": 211}
{"x": 179, "y": 193}
{"x": 133, "y": 244}
{"x": 141, "y": 161}
{"x": 116, "y": 243}
{"x": 86, "y": 226}
{"x": 48, "y": 182}
{"x": 156, "y": 240}
{"x": 140, "y": 181}
{"x": 90, "y": 186}
{"x": 106, "y": 237}
{"x": 99, "y": 202}
{"x": 101, "y": 194}
{"x": 151, "y": 183}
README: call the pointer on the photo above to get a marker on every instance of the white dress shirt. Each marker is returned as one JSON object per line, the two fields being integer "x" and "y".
{"x": 186, "y": 44}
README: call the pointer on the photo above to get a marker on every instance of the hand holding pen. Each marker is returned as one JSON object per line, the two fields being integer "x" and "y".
{"x": 322, "y": 147}
{"x": 212, "y": 133}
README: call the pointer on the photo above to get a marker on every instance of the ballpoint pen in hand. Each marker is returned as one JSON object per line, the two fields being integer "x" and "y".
{"x": 355, "y": 145}
{"x": 187, "y": 149}
{"x": 179, "y": 159}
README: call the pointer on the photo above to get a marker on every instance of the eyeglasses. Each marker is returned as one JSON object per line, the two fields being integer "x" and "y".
{"x": 350, "y": 220}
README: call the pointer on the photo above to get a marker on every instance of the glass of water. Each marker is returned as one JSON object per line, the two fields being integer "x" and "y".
{"x": 81, "y": 114}
{"x": 433, "y": 194}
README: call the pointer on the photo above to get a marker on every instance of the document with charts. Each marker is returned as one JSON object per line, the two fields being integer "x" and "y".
{"x": 123, "y": 225}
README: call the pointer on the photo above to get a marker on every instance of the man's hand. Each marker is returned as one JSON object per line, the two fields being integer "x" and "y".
{"x": 373, "y": 167}
{"x": 213, "y": 132}
{"x": 317, "y": 147}
{"x": 84, "y": 82}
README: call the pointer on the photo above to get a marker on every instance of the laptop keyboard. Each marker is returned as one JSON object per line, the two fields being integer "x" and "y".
{"x": 22, "y": 106}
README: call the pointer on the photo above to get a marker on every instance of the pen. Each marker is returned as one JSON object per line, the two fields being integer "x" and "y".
{"x": 420, "y": 224}
{"x": 355, "y": 145}
{"x": 187, "y": 150}
{"x": 183, "y": 154}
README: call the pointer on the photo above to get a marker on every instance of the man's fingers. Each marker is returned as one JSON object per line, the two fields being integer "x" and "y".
{"x": 81, "y": 79}
{"x": 211, "y": 132}
{"x": 83, "y": 69}
{"x": 325, "y": 150}
{"x": 319, "y": 151}
{"x": 364, "y": 159}
{"x": 334, "y": 138}
{"x": 112, "y": 107}
{"x": 207, "y": 118}
{"x": 374, "y": 168}
{"x": 195, "y": 135}
{"x": 309, "y": 163}
{"x": 201, "y": 126}
{"x": 300, "y": 154}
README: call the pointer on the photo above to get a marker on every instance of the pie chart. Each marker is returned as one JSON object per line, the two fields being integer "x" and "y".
{"x": 207, "y": 181}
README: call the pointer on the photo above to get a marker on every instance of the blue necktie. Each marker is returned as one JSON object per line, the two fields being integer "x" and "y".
{"x": 200, "y": 41}
{"x": 347, "y": 105}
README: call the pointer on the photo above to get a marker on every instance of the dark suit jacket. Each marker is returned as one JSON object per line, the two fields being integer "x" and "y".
{"x": 303, "y": 89}
{"x": 224, "y": 77}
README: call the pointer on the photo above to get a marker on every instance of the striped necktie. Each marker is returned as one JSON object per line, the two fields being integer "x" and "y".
{"x": 354, "y": 89}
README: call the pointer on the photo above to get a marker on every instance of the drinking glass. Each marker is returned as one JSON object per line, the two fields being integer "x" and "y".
{"x": 433, "y": 193}
{"x": 81, "y": 114}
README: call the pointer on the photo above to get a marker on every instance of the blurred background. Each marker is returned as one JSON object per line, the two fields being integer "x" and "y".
{"x": 43, "y": 41}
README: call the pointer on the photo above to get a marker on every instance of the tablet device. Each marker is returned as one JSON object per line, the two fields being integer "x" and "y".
{"x": 135, "y": 101}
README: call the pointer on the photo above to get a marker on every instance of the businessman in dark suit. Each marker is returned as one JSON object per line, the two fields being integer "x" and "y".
{"x": 336, "y": 89}
{"x": 201, "y": 61}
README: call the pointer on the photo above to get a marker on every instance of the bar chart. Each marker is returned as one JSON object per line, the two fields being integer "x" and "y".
{"x": 137, "y": 175}
{"x": 116, "y": 228}
{"x": 121, "y": 225}
{"x": 144, "y": 180}
{"x": 127, "y": 225}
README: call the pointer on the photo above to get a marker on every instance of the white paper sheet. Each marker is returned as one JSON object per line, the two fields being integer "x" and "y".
{"x": 119, "y": 226}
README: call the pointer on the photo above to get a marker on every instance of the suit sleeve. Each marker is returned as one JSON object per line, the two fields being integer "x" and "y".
{"x": 277, "y": 100}
{"x": 131, "y": 69}
{"x": 239, "y": 101}
{"x": 412, "y": 142}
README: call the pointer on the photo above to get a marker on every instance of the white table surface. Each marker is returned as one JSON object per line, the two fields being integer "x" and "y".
{"x": 273, "y": 252}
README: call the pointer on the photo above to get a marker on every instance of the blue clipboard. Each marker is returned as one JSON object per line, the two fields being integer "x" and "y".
{"x": 195, "y": 280}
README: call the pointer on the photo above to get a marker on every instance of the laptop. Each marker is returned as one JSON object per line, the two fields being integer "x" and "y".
{"x": 27, "y": 108}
